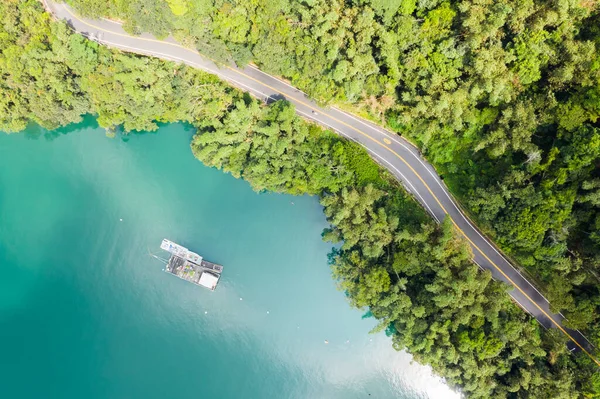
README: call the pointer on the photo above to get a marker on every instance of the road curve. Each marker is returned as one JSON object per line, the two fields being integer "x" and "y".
{"x": 401, "y": 158}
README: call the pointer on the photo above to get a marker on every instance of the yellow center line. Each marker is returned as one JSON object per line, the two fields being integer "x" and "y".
{"x": 386, "y": 140}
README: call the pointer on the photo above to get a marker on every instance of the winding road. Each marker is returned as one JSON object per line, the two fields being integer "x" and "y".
{"x": 401, "y": 158}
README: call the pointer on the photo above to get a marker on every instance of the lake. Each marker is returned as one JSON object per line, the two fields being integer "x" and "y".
{"x": 86, "y": 312}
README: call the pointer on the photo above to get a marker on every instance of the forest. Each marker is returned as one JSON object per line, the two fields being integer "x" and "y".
{"x": 415, "y": 277}
{"x": 522, "y": 154}
{"x": 502, "y": 96}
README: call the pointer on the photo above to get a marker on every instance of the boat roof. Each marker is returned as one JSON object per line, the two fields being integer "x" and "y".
{"x": 180, "y": 251}
{"x": 176, "y": 249}
{"x": 208, "y": 280}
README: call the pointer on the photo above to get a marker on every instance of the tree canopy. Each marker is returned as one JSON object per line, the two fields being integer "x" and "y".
{"x": 502, "y": 96}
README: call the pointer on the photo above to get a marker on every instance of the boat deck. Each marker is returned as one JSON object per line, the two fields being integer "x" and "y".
{"x": 211, "y": 266}
{"x": 191, "y": 267}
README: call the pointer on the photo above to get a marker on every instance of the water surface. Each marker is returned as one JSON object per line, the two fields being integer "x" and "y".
{"x": 85, "y": 312}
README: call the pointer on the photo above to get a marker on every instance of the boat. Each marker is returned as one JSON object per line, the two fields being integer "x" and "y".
{"x": 190, "y": 266}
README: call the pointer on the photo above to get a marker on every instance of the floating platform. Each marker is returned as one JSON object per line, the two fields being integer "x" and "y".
{"x": 190, "y": 266}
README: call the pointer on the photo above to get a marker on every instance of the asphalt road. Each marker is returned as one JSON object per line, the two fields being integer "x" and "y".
{"x": 401, "y": 158}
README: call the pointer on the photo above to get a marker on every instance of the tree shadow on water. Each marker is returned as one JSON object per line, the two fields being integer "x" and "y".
{"x": 35, "y": 131}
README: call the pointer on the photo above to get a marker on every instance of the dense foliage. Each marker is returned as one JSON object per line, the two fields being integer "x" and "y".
{"x": 52, "y": 77}
{"x": 265, "y": 146}
{"x": 502, "y": 95}
{"x": 415, "y": 277}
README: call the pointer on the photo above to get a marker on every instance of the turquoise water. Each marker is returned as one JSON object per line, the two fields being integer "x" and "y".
{"x": 85, "y": 312}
